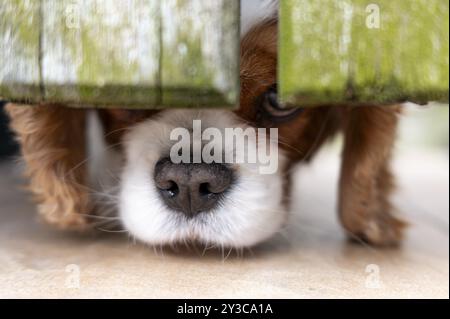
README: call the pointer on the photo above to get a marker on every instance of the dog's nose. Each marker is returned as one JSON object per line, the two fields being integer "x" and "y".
{"x": 192, "y": 188}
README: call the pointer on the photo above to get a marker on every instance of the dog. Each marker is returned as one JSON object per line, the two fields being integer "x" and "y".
{"x": 133, "y": 180}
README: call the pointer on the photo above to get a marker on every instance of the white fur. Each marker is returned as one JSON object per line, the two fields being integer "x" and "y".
{"x": 250, "y": 212}
{"x": 104, "y": 168}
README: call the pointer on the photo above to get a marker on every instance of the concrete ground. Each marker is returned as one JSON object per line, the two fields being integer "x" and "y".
{"x": 310, "y": 259}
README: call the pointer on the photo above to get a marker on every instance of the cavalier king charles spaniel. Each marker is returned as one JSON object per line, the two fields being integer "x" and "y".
{"x": 114, "y": 163}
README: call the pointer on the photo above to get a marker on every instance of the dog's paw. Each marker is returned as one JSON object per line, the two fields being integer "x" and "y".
{"x": 75, "y": 222}
{"x": 383, "y": 230}
{"x": 65, "y": 214}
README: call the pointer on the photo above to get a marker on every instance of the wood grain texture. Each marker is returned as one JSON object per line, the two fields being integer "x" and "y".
{"x": 20, "y": 76}
{"x": 129, "y": 53}
{"x": 355, "y": 50}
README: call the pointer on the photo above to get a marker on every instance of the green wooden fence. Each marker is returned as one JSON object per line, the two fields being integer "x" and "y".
{"x": 135, "y": 53}
{"x": 363, "y": 51}
{"x": 185, "y": 53}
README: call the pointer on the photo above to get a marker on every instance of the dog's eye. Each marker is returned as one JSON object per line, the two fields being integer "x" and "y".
{"x": 271, "y": 108}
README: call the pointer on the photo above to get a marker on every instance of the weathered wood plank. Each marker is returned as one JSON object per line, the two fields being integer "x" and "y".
{"x": 199, "y": 55}
{"x": 19, "y": 49}
{"x": 102, "y": 52}
{"x": 334, "y": 51}
{"x": 132, "y": 53}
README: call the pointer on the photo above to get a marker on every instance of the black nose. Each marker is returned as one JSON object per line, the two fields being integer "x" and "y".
{"x": 191, "y": 188}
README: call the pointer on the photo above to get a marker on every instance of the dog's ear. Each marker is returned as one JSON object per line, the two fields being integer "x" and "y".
{"x": 53, "y": 145}
{"x": 366, "y": 182}
{"x": 258, "y": 65}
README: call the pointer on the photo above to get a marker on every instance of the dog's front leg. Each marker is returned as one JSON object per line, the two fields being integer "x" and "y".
{"x": 52, "y": 141}
{"x": 366, "y": 182}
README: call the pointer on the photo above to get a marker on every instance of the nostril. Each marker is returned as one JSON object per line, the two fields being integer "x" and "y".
{"x": 213, "y": 188}
{"x": 172, "y": 190}
{"x": 205, "y": 189}
{"x": 164, "y": 183}
{"x": 219, "y": 179}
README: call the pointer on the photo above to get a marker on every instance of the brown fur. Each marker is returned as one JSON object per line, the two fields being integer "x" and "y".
{"x": 366, "y": 181}
{"x": 52, "y": 140}
{"x": 52, "y": 146}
